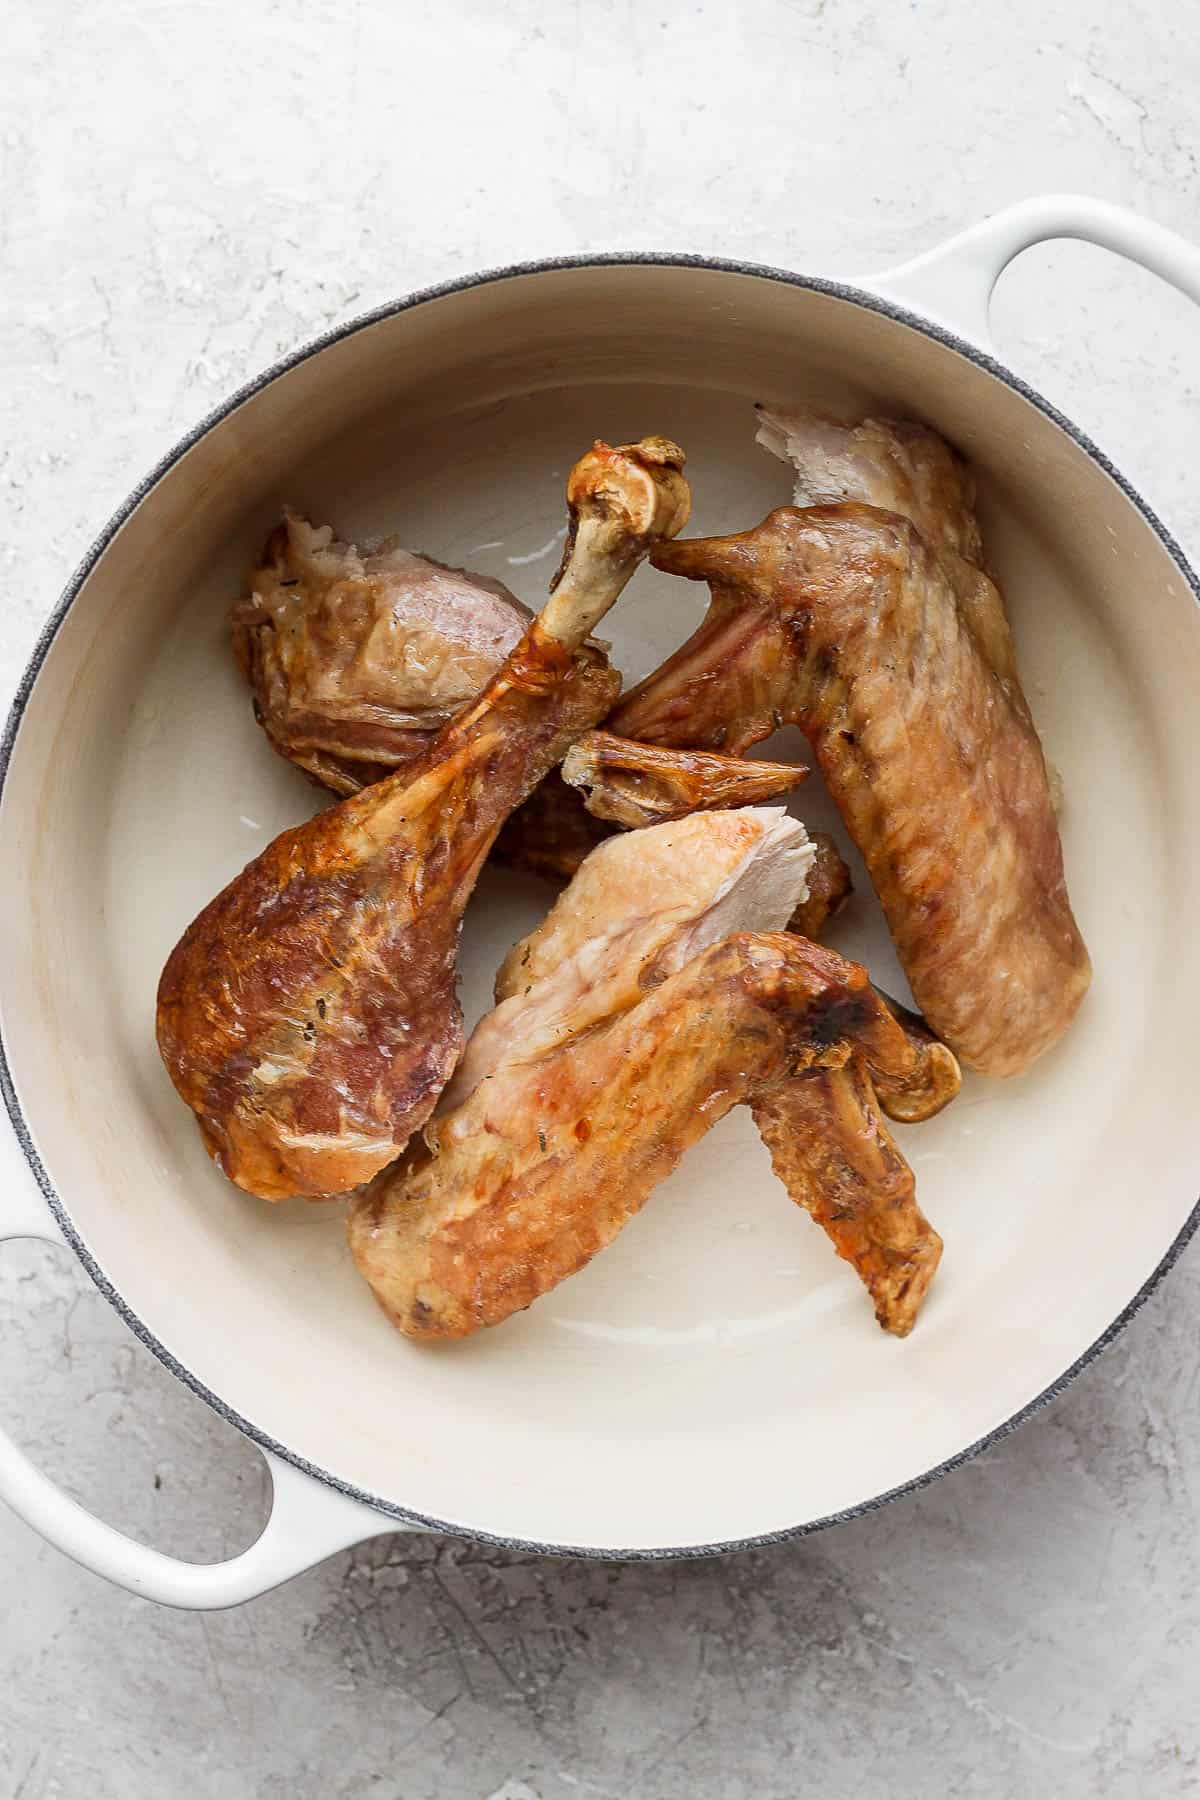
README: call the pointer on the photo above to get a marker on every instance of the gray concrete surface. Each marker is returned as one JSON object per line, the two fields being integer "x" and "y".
{"x": 189, "y": 190}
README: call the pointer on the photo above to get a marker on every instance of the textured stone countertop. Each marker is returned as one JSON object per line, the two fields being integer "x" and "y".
{"x": 190, "y": 190}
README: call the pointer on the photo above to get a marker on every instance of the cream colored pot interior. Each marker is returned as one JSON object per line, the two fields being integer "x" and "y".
{"x": 717, "y": 1374}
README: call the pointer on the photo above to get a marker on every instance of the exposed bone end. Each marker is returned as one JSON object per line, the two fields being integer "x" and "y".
{"x": 937, "y": 1081}
{"x": 622, "y": 503}
{"x": 635, "y": 784}
{"x": 935, "y": 1078}
{"x": 640, "y": 488}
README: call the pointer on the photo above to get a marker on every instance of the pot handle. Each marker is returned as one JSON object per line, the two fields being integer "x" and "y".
{"x": 308, "y": 1522}
{"x": 953, "y": 284}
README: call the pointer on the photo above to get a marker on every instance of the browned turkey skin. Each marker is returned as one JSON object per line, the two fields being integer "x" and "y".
{"x": 357, "y": 660}
{"x": 308, "y": 1016}
{"x": 904, "y": 468}
{"x": 831, "y": 1148}
{"x": 841, "y": 620}
{"x": 543, "y": 1164}
{"x": 597, "y": 1045}
{"x": 632, "y": 784}
{"x": 625, "y": 784}
{"x": 552, "y": 836}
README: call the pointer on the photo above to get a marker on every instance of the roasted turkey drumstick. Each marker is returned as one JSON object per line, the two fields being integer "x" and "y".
{"x": 357, "y": 658}
{"x": 309, "y": 1015}
{"x": 628, "y": 1024}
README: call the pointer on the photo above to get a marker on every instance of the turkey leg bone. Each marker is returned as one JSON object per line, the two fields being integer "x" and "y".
{"x": 309, "y": 1015}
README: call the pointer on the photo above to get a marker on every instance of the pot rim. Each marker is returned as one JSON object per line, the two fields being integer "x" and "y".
{"x": 403, "y": 1516}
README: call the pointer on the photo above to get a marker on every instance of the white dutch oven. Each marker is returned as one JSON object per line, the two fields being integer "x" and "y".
{"x": 716, "y": 1377}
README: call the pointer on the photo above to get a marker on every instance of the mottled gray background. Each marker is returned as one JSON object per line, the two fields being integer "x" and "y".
{"x": 191, "y": 189}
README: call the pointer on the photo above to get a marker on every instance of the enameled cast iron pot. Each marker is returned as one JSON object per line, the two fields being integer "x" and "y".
{"x": 716, "y": 1377}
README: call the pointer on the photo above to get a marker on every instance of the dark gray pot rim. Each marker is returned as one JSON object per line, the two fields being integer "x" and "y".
{"x": 389, "y": 1509}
